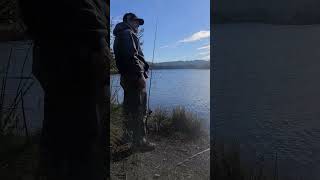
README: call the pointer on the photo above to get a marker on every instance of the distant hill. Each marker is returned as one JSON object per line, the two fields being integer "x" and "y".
{"x": 195, "y": 64}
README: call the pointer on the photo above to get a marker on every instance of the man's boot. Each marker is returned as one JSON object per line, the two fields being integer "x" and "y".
{"x": 143, "y": 145}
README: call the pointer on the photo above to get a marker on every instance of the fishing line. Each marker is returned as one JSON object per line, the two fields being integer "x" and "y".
{"x": 151, "y": 70}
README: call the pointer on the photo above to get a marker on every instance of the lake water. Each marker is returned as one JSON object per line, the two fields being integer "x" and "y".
{"x": 179, "y": 87}
{"x": 267, "y": 93}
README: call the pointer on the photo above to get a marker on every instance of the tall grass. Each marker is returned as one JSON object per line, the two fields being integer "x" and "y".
{"x": 226, "y": 164}
{"x": 176, "y": 120}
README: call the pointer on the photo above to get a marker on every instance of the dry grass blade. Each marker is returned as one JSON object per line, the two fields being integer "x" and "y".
{"x": 195, "y": 155}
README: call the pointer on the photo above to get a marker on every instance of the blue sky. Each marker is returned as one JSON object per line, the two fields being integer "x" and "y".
{"x": 183, "y": 27}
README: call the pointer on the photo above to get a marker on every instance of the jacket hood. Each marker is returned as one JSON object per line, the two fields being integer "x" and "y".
{"x": 120, "y": 27}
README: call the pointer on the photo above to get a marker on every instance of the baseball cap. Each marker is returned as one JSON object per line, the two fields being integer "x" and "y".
{"x": 131, "y": 16}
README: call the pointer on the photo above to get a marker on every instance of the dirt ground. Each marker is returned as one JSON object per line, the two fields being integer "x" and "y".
{"x": 165, "y": 161}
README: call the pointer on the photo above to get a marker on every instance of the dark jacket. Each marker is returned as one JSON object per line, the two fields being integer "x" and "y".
{"x": 68, "y": 26}
{"x": 73, "y": 22}
{"x": 128, "y": 54}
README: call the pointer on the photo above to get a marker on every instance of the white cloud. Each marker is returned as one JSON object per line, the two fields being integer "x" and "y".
{"x": 204, "y": 47}
{"x": 196, "y": 37}
{"x": 172, "y": 45}
{"x": 165, "y": 46}
{"x": 204, "y": 53}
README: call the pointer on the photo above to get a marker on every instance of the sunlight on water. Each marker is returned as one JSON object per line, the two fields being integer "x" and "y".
{"x": 184, "y": 87}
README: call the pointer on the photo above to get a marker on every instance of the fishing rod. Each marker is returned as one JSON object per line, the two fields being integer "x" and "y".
{"x": 151, "y": 75}
{"x": 151, "y": 71}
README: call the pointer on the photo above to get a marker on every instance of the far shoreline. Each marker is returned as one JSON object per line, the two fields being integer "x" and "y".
{"x": 116, "y": 72}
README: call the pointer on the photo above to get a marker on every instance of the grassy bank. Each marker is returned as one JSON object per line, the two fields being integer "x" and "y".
{"x": 177, "y": 122}
{"x": 178, "y": 136}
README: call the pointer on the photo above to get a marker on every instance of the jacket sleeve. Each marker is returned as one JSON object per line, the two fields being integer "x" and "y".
{"x": 91, "y": 18}
{"x": 131, "y": 53}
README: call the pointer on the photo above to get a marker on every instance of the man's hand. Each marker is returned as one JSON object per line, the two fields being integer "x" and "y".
{"x": 11, "y": 36}
{"x": 13, "y": 32}
{"x": 146, "y": 74}
{"x": 142, "y": 82}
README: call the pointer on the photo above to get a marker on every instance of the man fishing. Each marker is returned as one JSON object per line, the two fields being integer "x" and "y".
{"x": 70, "y": 62}
{"x": 133, "y": 70}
